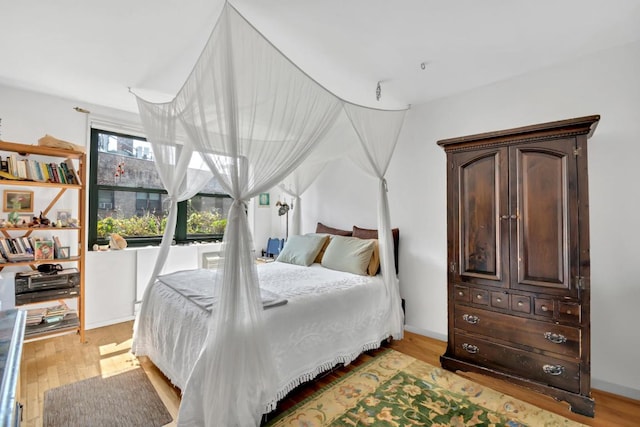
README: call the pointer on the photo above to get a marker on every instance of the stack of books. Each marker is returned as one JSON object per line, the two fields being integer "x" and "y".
{"x": 50, "y": 319}
{"x": 35, "y": 316}
{"x": 17, "y": 249}
{"x": 56, "y": 313}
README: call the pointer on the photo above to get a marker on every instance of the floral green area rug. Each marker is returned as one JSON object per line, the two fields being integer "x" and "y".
{"x": 394, "y": 389}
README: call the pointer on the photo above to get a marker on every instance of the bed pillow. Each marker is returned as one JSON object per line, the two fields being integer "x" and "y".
{"x": 321, "y": 228}
{"x": 366, "y": 233}
{"x": 327, "y": 239}
{"x": 374, "y": 263}
{"x": 348, "y": 254}
{"x": 301, "y": 250}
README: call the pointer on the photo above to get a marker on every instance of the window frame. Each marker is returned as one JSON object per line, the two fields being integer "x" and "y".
{"x": 180, "y": 235}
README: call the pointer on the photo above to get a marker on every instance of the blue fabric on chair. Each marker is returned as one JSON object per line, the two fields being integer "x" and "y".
{"x": 274, "y": 246}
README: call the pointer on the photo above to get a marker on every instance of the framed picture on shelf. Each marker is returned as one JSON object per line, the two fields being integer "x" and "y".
{"x": 43, "y": 249}
{"x": 63, "y": 252}
{"x": 18, "y": 201}
{"x": 62, "y": 216}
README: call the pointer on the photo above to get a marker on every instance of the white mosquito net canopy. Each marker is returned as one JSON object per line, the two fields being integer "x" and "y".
{"x": 254, "y": 120}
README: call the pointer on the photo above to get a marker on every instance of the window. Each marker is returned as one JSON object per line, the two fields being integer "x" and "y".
{"x": 126, "y": 196}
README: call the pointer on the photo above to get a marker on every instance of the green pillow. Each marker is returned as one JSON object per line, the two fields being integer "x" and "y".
{"x": 348, "y": 254}
{"x": 301, "y": 250}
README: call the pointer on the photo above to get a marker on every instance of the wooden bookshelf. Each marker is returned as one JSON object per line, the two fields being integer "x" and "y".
{"x": 74, "y": 322}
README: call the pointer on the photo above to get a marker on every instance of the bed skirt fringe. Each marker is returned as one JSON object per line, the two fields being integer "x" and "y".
{"x": 343, "y": 359}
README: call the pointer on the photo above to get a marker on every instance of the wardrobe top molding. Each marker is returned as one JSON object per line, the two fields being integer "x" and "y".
{"x": 559, "y": 129}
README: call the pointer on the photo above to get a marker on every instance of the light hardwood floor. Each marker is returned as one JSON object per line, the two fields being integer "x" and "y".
{"x": 62, "y": 360}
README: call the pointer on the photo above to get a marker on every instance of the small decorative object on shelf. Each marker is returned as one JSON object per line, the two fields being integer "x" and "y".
{"x": 44, "y": 221}
{"x": 13, "y": 218}
{"x": 62, "y": 217}
{"x": 63, "y": 252}
{"x": 49, "y": 141}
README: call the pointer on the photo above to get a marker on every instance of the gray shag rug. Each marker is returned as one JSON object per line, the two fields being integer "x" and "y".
{"x": 126, "y": 399}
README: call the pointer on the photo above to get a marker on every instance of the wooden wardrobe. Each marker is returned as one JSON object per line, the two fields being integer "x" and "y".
{"x": 518, "y": 257}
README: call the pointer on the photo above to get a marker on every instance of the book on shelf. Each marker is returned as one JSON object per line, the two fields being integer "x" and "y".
{"x": 56, "y": 248}
{"x": 4, "y": 248}
{"x": 27, "y": 244}
{"x": 22, "y": 169}
{"x": 43, "y": 249}
{"x": 70, "y": 171}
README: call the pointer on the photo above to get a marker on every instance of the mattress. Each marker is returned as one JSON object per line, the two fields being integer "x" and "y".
{"x": 330, "y": 317}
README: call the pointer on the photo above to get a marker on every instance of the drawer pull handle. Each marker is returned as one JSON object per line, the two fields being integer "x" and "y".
{"x": 544, "y": 308}
{"x": 520, "y": 303}
{"x": 554, "y": 370}
{"x": 470, "y": 348}
{"x": 479, "y": 296}
{"x": 461, "y": 293}
{"x": 555, "y": 338}
{"x": 470, "y": 318}
{"x": 568, "y": 311}
{"x": 498, "y": 299}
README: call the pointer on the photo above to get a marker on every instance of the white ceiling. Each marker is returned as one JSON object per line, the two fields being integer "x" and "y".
{"x": 92, "y": 51}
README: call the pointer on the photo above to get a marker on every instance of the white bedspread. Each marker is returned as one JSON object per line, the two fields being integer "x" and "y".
{"x": 330, "y": 317}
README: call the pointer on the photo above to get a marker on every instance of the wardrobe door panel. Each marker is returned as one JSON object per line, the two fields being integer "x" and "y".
{"x": 543, "y": 176}
{"x": 482, "y": 179}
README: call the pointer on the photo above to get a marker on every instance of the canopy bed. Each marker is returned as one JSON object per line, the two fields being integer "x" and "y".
{"x": 252, "y": 119}
{"x": 318, "y": 311}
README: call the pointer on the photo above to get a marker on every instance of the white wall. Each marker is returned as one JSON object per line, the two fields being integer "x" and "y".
{"x": 608, "y": 84}
{"x": 27, "y": 116}
{"x": 265, "y": 220}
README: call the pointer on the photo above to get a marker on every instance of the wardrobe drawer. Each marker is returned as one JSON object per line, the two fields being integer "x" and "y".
{"x": 461, "y": 293}
{"x": 543, "y": 307}
{"x": 479, "y": 296}
{"x": 520, "y": 331}
{"x": 537, "y": 367}
{"x": 569, "y": 311}
{"x": 521, "y": 303}
{"x": 500, "y": 300}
